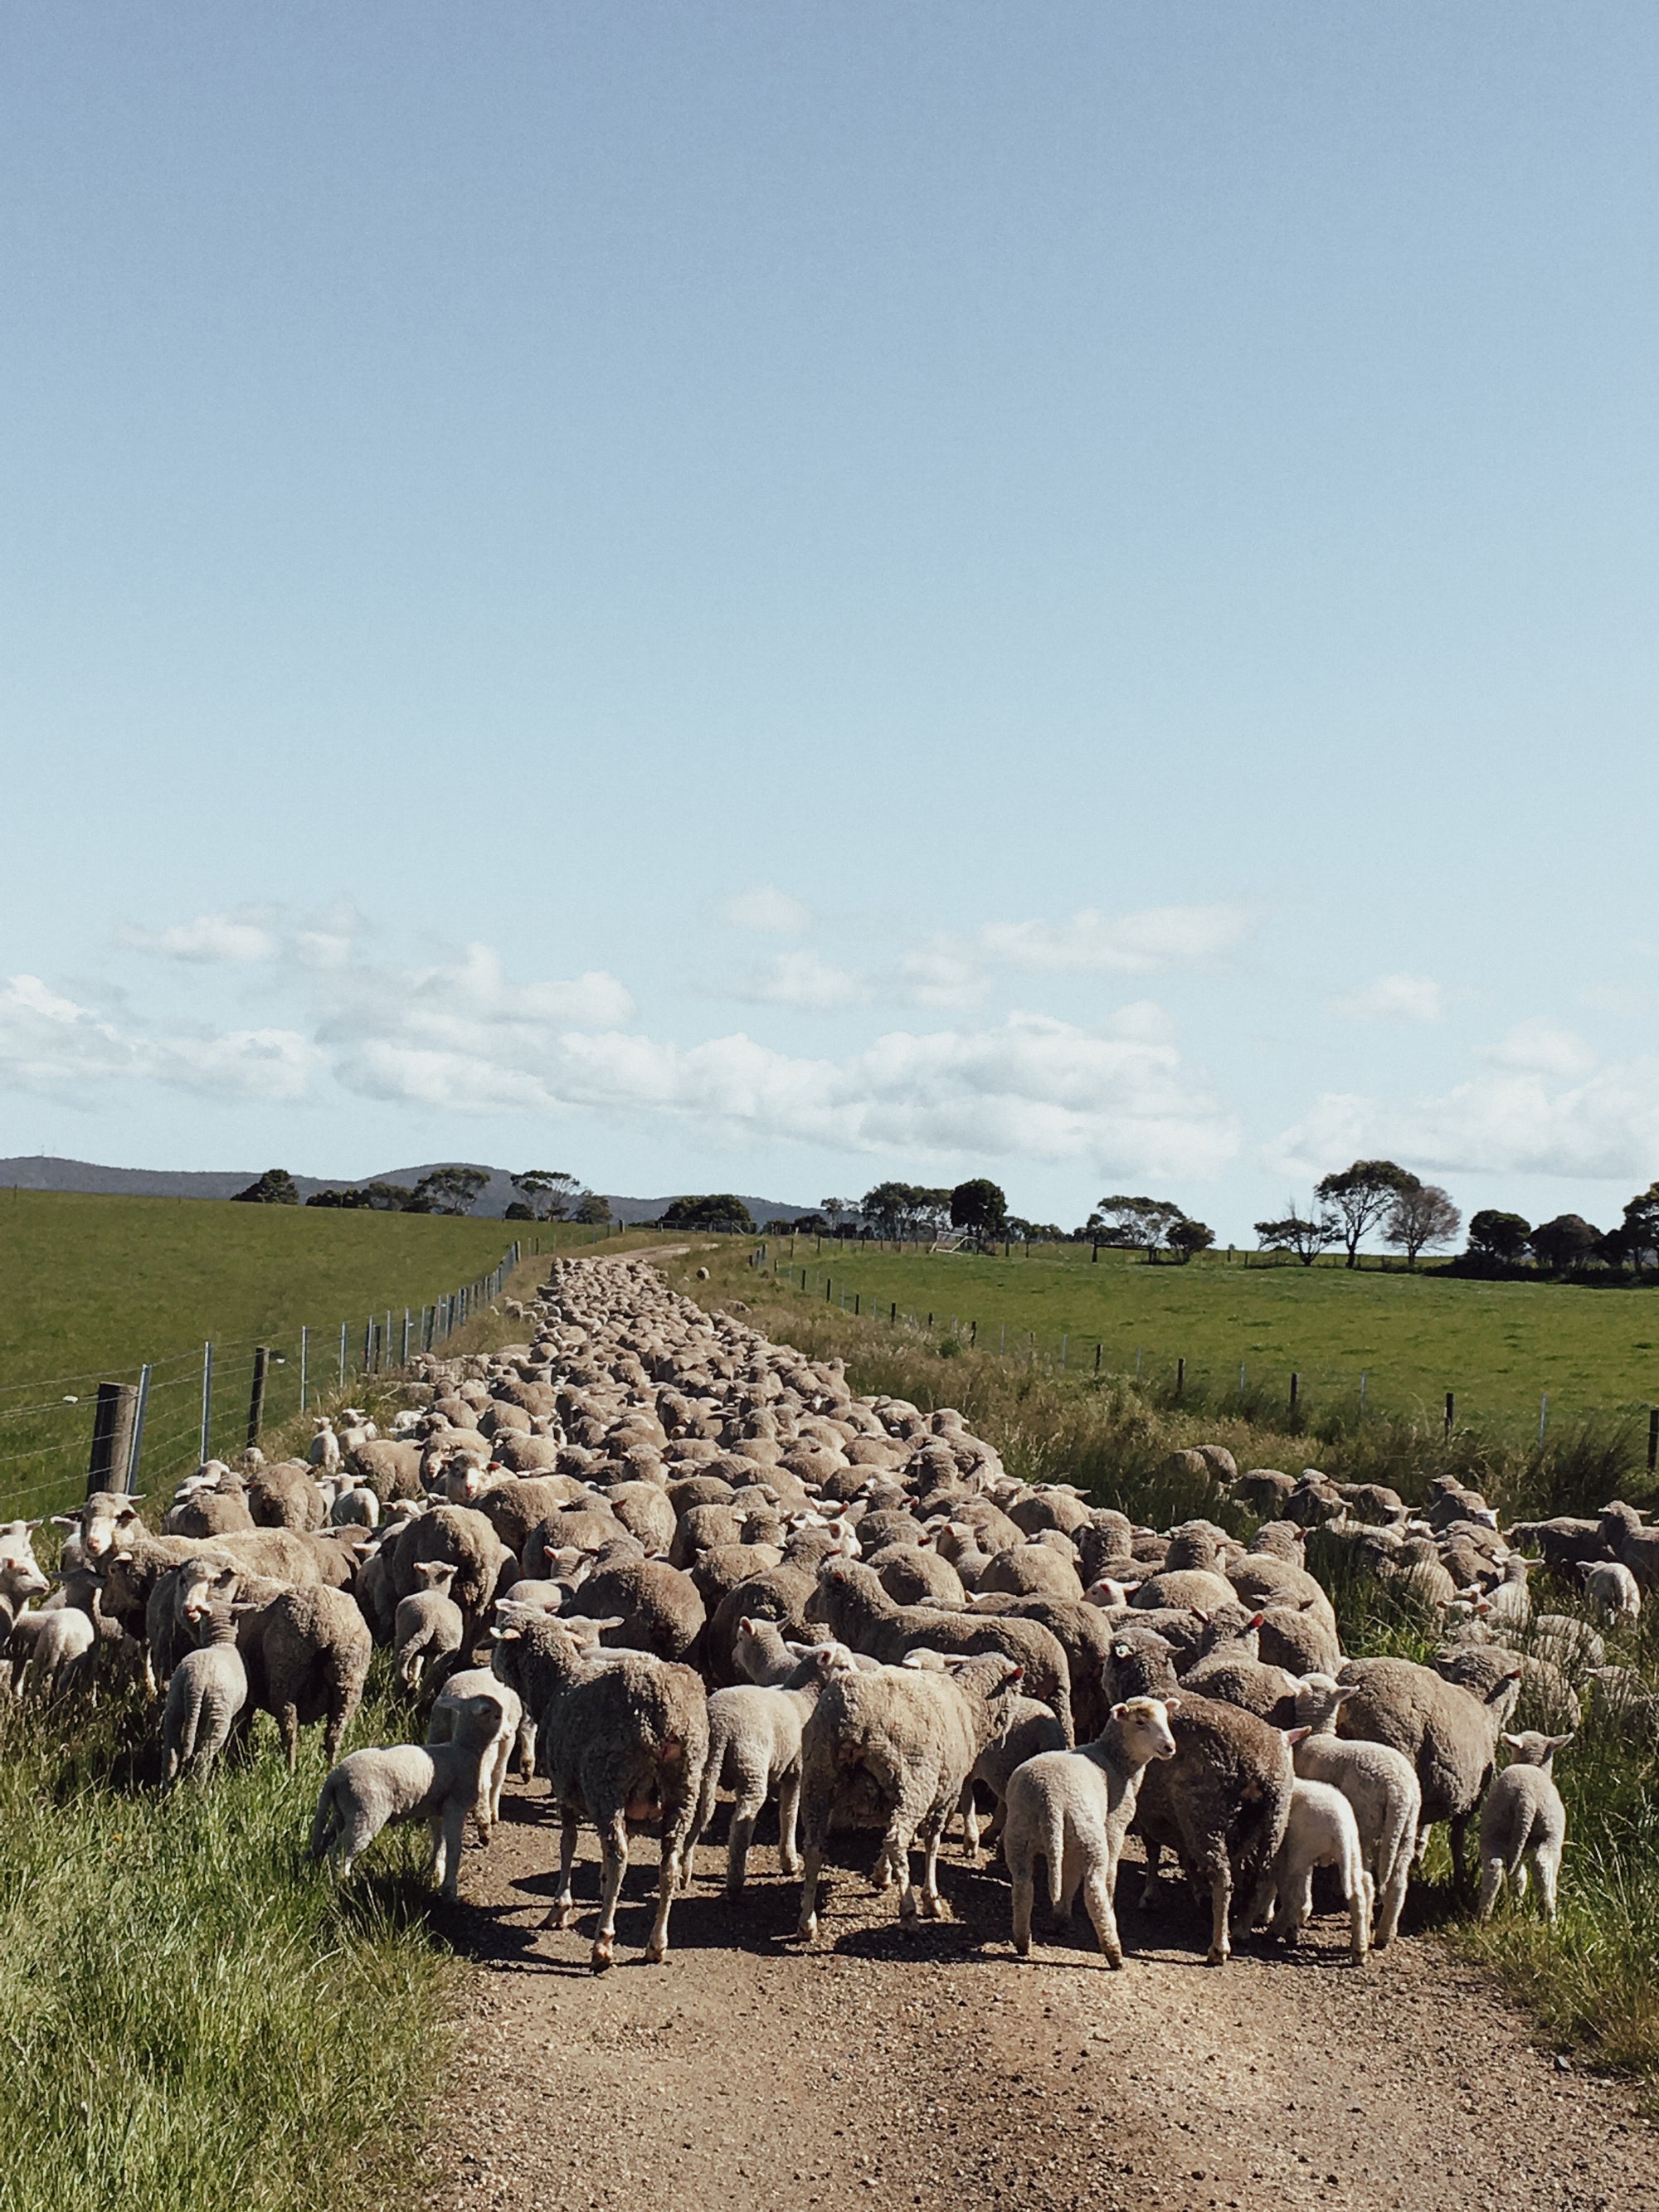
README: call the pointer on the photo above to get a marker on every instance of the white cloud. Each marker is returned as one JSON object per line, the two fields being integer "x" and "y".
{"x": 50, "y": 1045}
{"x": 1542, "y": 1050}
{"x": 767, "y": 911}
{"x": 211, "y": 938}
{"x": 1395, "y": 999}
{"x": 1094, "y": 944}
{"x": 801, "y": 980}
{"x": 1513, "y": 1120}
{"x": 1030, "y": 1088}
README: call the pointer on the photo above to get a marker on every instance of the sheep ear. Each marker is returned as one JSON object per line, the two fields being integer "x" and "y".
{"x": 1118, "y": 1711}
{"x": 1513, "y": 1741}
{"x": 1559, "y": 1742}
{"x": 1294, "y": 1736}
{"x": 1172, "y": 1703}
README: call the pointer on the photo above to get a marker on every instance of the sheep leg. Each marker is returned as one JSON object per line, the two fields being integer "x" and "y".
{"x": 287, "y": 1719}
{"x": 1150, "y": 1886}
{"x": 788, "y": 1821}
{"x": 812, "y": 1872}
{"x": 613, "y": 1850}
{"x": 565, "y": 1902}
{"x": 1097, "y": 1897}
{"x": 446, "y": 1865}
{"x": 932, "y": 1904}
{"x": 970, "y": 1811}
{"x": 1361, "y": 1898}
{"x": 1459, "y": 1829}
{"x": 1548, "y": 1863}
{"x": 1024, "y": 1881}
{"x": 1221, "y": 1898}
{"x": 1492, "y": 1882}
{"x": 744, "y": 1814}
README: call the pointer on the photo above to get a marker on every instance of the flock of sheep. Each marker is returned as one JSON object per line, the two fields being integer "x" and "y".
{"x": 695, "y": 1564}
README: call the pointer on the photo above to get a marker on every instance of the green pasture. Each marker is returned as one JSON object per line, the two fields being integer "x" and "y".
{"x": 1498, "y": 1346}
{"x": 93, "y": 1287}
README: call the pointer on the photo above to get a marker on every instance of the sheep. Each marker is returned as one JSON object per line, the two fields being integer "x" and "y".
{"x": 324, "y": 1450}
{"x": 1321, "y": 1830}
{"x": 1612, "y": 1590}
{"x": 754, "y": 1748}
{"x": 1524, "y": 1820}
{"x": 208, "y": 1690}
{"x": 512, "y": 1729}
{"x": 1221, "y": 1804}
{"x": 62, "y": 1654}
{"x": 1632, "y": 1543}
{"x": 283, "y": 1495}
{"x": 437, "y": 1783}
{"x": 1447, "y": 1732}
{"x": 617, "y": 1740}
{"x": 306, "y": 1653}
{"x": 1073, "y": 1808}
{"x": 909, "y": 1737}
{"x": 428, "y": 1624}
{"x": 1381, "y": 1785}
{"x": 1024, "y": 1728}
{"x": 659, "y": 1606}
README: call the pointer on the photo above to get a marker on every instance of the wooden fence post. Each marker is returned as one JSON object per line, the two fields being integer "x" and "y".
{"x": 255, "y": 1397}
{"x": 111, "y": 1437}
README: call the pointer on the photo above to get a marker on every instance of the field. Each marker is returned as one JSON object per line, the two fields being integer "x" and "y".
{"x": 1500, "y": 1347}
{"x": 93, "y": 1287}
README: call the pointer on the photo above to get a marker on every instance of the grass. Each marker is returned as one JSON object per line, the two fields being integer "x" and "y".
{"x": 1592, "y": 1980}
{"x": 1498, "y": 1346}
{"x": 92, "y": 1286}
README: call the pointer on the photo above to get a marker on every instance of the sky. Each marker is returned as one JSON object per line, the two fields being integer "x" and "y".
{"x": 771, "y": 596}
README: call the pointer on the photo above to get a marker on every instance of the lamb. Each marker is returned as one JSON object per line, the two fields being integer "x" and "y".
{"x": 618, "y": 1738}
{"x": 1381, "y": 1785}
{"x": 1633, "y": 1544}
{"x": 512, "y": 1729}
{"x": 428, "y": 1625}
{"x": 62, "y": 1656}
{"x": 754, "y": 1748}
{"x": 324, "y": 1450}
{"x": 1024, "y": 1728}
{"x": 1073, "y": 1809}
{"x": 306, "y": 1653}
{"x": 910, "y": 1737}
{"x": 437, "y": 1783}
{"x": 1523, "y": 1820}
{"x": 1612, "y": 1590}
{"x": 208, "y": 1690}
{"x": 1321, "y": 1830}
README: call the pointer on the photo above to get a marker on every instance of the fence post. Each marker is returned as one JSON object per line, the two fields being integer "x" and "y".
{"x": 1451, "y": 1404}
{"x": 1181, "y": 1378}
{"x": 405, "y": 1362}
{"x": 255, "y": 1397}
{"x": 1064, "y": 1341}
{"x": 1096, "y": 1359}
{"x": 139, "y": 1411}
{"x": 1543, "y": 1416}
{"x": 972, "y": 1334}
{"x": 369, "y": 1345}
{"x": 207, "y": 1401}
{"x": 305, "y": 1348}
{"x": 1653, "y": 1439}
{"x": 1241, "y": 1378}
{"x": 386, "y": 1341}
{"x": 1362, "y": 1390}
{"x": 343, "y": 1354}
{"x": 111, "y": 1437}
{"x": 1296, "y": 1388}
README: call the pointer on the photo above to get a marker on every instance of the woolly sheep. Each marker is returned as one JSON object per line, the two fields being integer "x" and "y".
{"x": 437, "y": 1783}
{"x": 754, "y": 1748}
{"x": 208, "y": 1690}
{"x": 1072, "y": 1808}
{"x": 447, "y": 1708}
{"x": 1378, "y": 1781}
{"x": 428, "y": 1625}
{"x": 1321, "y": 1830}
{"x": 1524, "y": 1822}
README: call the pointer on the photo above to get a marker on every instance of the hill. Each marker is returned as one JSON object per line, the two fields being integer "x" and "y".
{"x": 44, "y": 1172}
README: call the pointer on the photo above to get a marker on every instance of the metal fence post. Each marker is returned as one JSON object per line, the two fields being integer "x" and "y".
{"x": 139, "y": 1411}
{"x": 207, "y": 1402}
{"x": 343, "y": 1354}
{"x": 256, "y": 1398}
{"x": 305, "y": 1348}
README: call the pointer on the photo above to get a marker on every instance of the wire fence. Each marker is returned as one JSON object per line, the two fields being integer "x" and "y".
{"x": 1263, "y": 1391}
{"x": 119, "y": 1427}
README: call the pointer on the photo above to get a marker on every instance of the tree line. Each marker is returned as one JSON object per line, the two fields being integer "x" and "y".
{"x": 544, "y": 1195}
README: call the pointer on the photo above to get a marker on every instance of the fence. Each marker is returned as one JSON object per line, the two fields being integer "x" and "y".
{"x": 108, "y": 1426}
{"x": 1291, "y": 1395}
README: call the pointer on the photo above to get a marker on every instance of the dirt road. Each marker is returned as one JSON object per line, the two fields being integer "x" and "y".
{"x": 937, "y": 2071}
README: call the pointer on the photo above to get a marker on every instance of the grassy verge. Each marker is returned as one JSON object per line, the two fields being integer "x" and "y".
{"x": 1592, "y": 1979}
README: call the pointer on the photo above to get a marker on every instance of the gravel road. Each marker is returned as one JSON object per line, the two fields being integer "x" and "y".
{"x": 937, "y": 2071}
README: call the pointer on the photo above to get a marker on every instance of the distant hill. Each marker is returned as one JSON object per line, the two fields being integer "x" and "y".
{"x": 39, "y": 1172}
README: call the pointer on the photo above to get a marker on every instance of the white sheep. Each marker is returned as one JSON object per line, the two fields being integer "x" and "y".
{"x": 1072, "y": 1808}
{"x": 1612, "y": 1590}
{"x": 1378, "y": 1781}
{"x": 480, "y": 1682}
{"x": 324, "y": 1449}
{"x": 438, "y": 1783}
{"x": 754, "y": 1748}
{"x": 1523, "y": 1820}
{"x": 1322, "y": 1832}
{"x": 428, "y": 1624}
{"x": 208, "y": 1689}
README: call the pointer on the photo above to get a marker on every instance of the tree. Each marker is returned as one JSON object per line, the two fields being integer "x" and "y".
{"x": 1566, "y": 1242}
{"x": 1422, "y": 1217}
{"x": 833, "y": 1208}
{"x": 1306, "y": 1235}
{"x": 1494, "y": 1236}
{"x": 1187, "y": 1236}
{"x": 592, "y": 1211}
{"x": 980, "y": 1205}
{"x": 1640, "y": 1233}
{"x": 274, "y": 1187}
{"x": 1140, "y": 1224}
{"x": 1361, "y": 1195}
{"x": 714, "y": 1210}
{"x": 449, "y": 1190}
{"x": 549, "y": 1193}
{"x": 890, "y": 1208}
{"x": 806, "y": 1225}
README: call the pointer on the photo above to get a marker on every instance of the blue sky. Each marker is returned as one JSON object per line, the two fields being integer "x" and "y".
{"x": 771, "y": 596}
